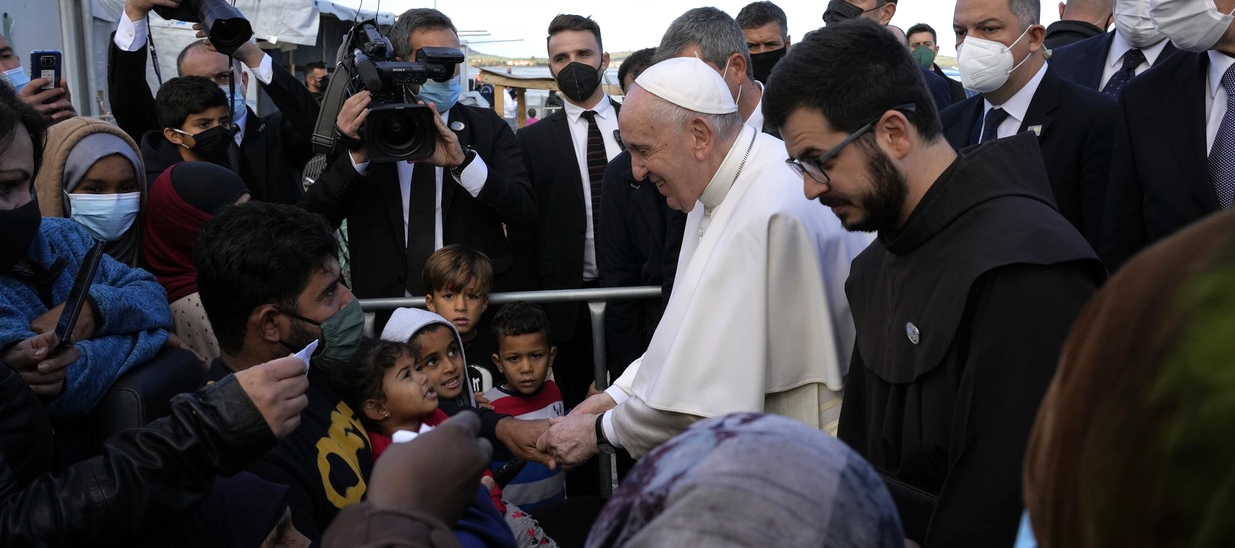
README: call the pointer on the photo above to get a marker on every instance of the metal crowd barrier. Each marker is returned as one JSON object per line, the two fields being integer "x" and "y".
{"x": 596, "y": 300}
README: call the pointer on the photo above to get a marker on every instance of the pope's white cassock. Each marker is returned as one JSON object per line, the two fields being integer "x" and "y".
{"x": 758, "y": 319}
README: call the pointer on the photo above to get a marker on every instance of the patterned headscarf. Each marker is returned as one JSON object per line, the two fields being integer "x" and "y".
{"x": 750, "y": 480}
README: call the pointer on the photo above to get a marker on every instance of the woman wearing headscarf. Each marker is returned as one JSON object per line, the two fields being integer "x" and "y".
{"x": 1132, "y": 445}
{"x": 93, "y": 173}
{"x": 182, "y": 199}
{"x": 750, "y": 480}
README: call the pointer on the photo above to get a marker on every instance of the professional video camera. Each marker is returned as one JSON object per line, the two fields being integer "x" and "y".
{"x": 225, "y": 26}
{"x": 394, "y": 129}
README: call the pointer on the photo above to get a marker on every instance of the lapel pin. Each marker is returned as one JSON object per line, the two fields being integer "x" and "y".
{"x": 458, "y": 126}
{"x": 912, "y": 331}
{"x": 1037, "y": 130}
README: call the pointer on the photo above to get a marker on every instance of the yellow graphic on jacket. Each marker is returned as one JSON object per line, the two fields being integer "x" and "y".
{"x": 338, "y": 457}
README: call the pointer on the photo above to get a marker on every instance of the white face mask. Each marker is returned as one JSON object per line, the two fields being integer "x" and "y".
{"x": 105, "y": 216}
{"x": 17, "y": 78}
{"x": 1132, "y": 22}
{"x": 986, "y": 64}
{"x": 1192, "y": 25}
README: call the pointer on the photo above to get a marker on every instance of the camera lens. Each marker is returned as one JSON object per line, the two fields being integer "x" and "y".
{"x": 397, "y": 131}
{"x": 47, "y": 61}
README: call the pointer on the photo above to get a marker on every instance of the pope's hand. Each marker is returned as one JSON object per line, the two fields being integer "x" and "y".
{"x": 570, "y": 440}
{"x": 594, "y": 405}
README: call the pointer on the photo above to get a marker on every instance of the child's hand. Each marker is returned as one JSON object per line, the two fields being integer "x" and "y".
{"x": 488, "y": 483}
{"x": 483, "y": 402}
{"x": 592, "y": 391}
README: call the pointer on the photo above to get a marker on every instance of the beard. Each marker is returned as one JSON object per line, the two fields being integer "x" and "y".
{"x": 300, "y": 335}
{"x": 880, "y": 206}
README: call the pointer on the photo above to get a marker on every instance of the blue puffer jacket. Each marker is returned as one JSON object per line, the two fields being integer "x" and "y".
{"x": 133, "y": 312}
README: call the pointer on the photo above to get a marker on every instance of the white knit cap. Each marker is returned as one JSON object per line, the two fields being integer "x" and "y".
{"x": 688, "y": 83}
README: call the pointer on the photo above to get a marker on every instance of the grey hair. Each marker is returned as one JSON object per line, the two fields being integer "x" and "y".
{"x": 413, "y": 20}
{"x": 1027, "y": 12}
{"x": 678, "y": 117}
{"x": 716, "y": 33}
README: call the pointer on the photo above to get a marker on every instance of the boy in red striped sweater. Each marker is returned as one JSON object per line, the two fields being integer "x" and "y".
{"x": 524, "y": 357}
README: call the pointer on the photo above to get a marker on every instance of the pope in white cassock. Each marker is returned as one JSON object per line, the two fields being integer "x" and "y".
{"x": 758, "y": 319}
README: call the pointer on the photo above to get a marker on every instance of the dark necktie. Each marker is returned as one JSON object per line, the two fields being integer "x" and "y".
{"x": 233, "y": 155}
{"x": 990, "y": 124}
{"x": 596, "y": 160}
{"x": 421, "y": 224}
{"x": 1132, "y": 59}
{"x": 1222, "y": 155}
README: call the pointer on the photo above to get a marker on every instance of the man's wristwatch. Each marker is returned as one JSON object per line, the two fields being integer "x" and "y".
{"x": 468, "y": 156}
{"x": 602, "y": 442}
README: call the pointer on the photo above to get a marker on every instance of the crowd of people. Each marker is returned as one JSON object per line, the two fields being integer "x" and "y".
{"x": 885, "y": 320}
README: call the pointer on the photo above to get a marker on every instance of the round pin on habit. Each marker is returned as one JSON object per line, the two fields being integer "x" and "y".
{"x": 457, "y": 125}
{"x": 912, "y": 331}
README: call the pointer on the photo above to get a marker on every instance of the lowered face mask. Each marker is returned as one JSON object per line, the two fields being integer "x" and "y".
{"x": 16, "y": 78}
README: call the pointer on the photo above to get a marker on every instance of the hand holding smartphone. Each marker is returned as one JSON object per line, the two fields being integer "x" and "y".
{"x": 47, "y": 64}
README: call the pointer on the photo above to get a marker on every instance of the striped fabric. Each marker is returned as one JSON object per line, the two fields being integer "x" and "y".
{"x": 535, "y": 484}
{"x": 596, "y": 161}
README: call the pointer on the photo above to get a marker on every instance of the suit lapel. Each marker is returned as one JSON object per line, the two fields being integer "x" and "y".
{"x": 961, "y": 134}
{"x": 254, "y": 144}
{"x": 464, "y": 133}
{"x": 1095, "y": 61}
{"x": 559, "y": 132}
{"x": 1045, "y": 101}
{"x": 1186, "y": 133}
{"x": 386, "y": 175}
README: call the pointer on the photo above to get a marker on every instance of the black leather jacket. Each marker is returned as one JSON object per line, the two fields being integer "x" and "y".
{"x": 146, "y": 479}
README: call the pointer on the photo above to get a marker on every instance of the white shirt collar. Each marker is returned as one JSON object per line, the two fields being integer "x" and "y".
{"x": 1218, "y": 63}
{"x": 1119, "y": 47}
{"x": 1018, "y": 105}
{"x": 604, "y": 109}
{"x": 727, "y": 173}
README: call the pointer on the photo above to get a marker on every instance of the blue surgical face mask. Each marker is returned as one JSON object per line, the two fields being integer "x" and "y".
{"x": 237, "y": 102}
{"x": 16, "y": 78}
{"x": 442, "y": 94}
{"x": 105, "y": 216}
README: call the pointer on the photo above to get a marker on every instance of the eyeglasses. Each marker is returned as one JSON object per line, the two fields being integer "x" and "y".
{"x": 814, "y": 168}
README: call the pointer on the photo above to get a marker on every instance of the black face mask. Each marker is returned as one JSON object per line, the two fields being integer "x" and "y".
{"x": 212, "y": 144}
{"x": 578, "y": 81}
{"x": 840, "y": 10}
{"x": 762, "y": 63}
{"x": 17, "y": 230}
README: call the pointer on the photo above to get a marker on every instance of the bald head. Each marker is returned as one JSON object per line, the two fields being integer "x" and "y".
{"x": 899, "y": 34}
{"x": 1091, "y": 11}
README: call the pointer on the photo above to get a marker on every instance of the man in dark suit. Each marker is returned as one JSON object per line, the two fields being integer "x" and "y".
{"x": 398, "y": 213}
{"x": 1109, "y": 61}
{"x": 923, "y": 35}
{"x": 1171, "y": 153}
{"x": 271, "y": 150}
{"x": 1072, "y": 122}
{"x": 566, "y": 154}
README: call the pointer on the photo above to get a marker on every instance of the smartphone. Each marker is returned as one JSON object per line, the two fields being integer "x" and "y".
{"x": 77, "y": 297}
{"x": 47, "y": 64}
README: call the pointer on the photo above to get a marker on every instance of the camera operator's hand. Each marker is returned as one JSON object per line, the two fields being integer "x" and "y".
{"x": 449, "y": 153}
{"x": 248, "y": 52}
{"x": 136, "y": 10}
{"x": 351, "y": 116}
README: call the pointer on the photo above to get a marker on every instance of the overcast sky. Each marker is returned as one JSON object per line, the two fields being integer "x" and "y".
{"x": 636, "y": 24}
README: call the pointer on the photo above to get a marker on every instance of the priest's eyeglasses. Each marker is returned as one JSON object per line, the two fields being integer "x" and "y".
{"x": 814, "y": 168}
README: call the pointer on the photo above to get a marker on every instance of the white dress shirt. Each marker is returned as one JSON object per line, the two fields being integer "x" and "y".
{"x": 1114, "y": 58}
{"x": 1016, "y": 106}
{"x": 606, "y": 121}
{"x": 1215, "y": 100}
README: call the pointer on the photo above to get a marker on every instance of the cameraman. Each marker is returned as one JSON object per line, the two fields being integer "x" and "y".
{"x": 474, "y": 183}
{"x": 270, "y": 151}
